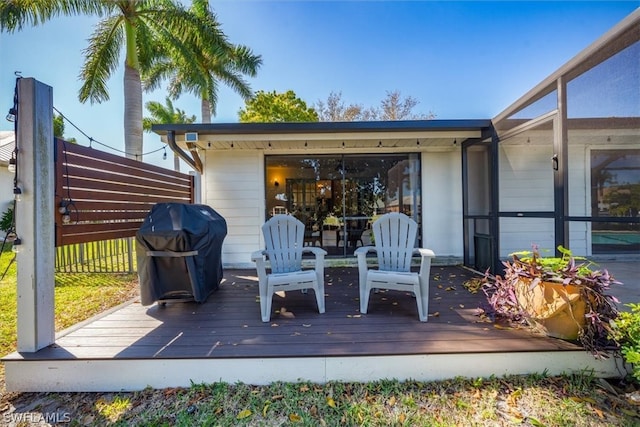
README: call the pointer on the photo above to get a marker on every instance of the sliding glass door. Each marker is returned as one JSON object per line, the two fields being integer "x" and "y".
{"x": 338, "y": 197}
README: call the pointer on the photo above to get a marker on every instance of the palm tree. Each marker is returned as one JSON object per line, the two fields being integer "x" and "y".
{"x": 145, "y": 29}
{"x": 166, "y": 114}
{"x": 213, "y": 64}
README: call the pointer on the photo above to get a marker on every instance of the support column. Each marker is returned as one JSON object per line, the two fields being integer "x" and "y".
{"x": 35, "y": 216}
{"x": 561, "y": 168}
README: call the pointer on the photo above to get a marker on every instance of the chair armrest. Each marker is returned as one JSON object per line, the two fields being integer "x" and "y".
{"x": 261, "y": 267}
{"x": 364, "y": 250}
{"x": 361, "y": 253}
{"x": 425, "y": 261}
{"x": 424, "y": 252}
{"x": 258, "y": 255}
{"x": 318, "y": 252}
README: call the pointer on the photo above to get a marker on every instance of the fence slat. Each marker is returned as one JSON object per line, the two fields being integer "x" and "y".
{"x": 108, "y": 196}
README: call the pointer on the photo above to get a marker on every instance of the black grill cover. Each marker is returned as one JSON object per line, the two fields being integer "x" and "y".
{"x": 179, "y": 252}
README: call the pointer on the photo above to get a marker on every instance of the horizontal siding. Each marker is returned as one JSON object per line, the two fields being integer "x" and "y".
{"x": 526, "y": 178}
{"x": 520, "y": 234}
{"x": 579, "y": 180}
{"x": 442, "y": 202}
{"x": 234, "y": 188}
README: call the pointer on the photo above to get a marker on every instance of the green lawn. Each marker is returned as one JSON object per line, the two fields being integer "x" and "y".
{"x": 77, "y": 297}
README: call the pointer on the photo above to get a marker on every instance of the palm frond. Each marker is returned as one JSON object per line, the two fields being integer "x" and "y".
{"x": 15, "y": 14}
{"x": 101, "y": 59}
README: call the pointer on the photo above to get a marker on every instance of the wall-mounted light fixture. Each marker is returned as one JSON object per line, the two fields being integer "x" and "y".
{"x": 276, "y": 183}
{"x": 191, "y": 136}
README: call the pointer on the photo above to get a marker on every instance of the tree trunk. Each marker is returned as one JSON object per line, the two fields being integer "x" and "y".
{"x": 132, "y": 113}
{"x": 205, "y": 109}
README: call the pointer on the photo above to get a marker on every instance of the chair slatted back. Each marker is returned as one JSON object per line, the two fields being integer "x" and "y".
{"x": 395, "y": 237}
{"x": 284, "y": 235}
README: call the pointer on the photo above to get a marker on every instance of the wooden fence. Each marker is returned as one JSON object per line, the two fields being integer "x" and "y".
{"x": 101, "y": 196}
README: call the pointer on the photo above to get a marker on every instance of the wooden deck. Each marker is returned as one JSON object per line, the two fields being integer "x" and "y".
{"x": 227, "y": 328}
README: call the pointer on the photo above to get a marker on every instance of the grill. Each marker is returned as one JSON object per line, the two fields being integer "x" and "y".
{"x": 179, "y": 253}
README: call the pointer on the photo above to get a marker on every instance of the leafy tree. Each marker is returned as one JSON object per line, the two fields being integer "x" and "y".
{"x": 270, "y": 107}
{"x": 214, "y": 63}
{"x": 58, "y": 128}
{"x": 165, "y": 114}
{"x": 392, "y": 107}
{"x": 144, "y": 29}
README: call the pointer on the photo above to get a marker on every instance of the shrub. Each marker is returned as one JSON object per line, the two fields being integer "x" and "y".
{"x": 626, "y": 331}
{"x": 502, "y": 294}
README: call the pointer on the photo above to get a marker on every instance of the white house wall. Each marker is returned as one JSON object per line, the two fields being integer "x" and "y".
{"x": 442, "y": 202}
{"x": 526, "y": 184}
{"x": 6, "y": 189}
{"x": 234, "y": 186}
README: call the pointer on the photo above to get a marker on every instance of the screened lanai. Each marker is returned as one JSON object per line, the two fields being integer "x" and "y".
{"x": 562, "y": 164}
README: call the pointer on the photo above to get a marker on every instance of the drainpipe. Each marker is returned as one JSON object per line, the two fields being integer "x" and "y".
{"x": 194, "y": 161}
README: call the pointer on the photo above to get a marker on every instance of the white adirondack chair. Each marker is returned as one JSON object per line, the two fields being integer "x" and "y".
{"x": 395, "y": 236}
{"x": 284, "y": 241}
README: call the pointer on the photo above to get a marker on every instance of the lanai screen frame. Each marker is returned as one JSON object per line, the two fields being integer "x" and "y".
{"x": 622, "y": 36}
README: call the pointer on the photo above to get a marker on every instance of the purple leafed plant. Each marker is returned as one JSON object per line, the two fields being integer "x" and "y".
{"x": 594, "y": 286}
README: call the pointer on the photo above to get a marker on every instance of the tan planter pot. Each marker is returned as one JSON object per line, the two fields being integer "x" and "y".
{"x": 558, "y": 308}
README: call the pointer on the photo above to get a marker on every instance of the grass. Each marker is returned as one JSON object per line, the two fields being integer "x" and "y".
{"x": 77, "y": 297}
{"x": 536, "y": 400}
{"x": 533, "y": 400}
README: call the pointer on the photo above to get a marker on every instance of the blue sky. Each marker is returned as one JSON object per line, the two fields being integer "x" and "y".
{"x": 460, "y": 60}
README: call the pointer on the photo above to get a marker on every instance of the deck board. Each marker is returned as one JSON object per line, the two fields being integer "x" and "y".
{"x": 228, "y": 325}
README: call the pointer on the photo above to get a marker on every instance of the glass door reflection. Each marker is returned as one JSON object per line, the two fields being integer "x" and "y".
{"x": 338, "y": 197}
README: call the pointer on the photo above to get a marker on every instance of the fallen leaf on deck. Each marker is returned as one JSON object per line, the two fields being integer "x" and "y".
{"x": 286, "y": 314}
{"x": 436, "y": 314}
